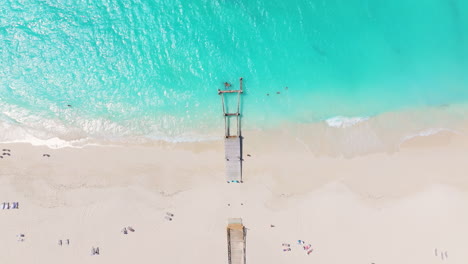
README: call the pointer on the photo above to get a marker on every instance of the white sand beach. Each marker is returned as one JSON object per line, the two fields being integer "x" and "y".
{"x": 407, "y": 206}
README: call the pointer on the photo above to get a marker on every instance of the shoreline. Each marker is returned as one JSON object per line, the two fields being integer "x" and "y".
{"x": 209, "y": 154}
{"x": 381, "y": 133}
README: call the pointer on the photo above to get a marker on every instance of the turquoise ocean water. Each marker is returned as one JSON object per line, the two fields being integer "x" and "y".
{"x": 151, "y": 68}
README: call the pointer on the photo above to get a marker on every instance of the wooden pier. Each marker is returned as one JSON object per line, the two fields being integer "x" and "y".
{"x": 236, "y": 241}
{"x": 232, "y": 139}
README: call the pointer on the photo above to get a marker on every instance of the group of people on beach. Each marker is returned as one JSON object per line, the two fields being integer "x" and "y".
{"x": 308, "y": 248}
{"x": 7, "y": 206}
{"x": 6, "y": 152}
{"x": 20, "y": 237}
{"x": 443, "y": 254}
{"x": 126, "y": 229}
{"x": 67, "y": 241}
{"x": 94, "y": 250}
{"x": 169, "y": 216}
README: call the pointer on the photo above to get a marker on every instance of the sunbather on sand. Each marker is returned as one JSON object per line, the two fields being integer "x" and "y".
{"x": 20, "y": 237}
{"x": 95, "y": 251}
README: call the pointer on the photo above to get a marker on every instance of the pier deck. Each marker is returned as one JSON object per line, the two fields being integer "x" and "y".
{"x": 232, "y": 148}
{"x": 236, "y": 241}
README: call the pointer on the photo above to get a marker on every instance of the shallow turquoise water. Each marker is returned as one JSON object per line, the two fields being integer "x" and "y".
{"x": 151, "y": 68}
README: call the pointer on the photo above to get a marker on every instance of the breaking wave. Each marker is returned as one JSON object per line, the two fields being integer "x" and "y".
{"x": 343, "y": 122}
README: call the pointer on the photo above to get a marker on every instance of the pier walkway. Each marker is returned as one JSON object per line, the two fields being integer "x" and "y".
{"x": 232, "y": 141}
{"x": 236, "y": 241}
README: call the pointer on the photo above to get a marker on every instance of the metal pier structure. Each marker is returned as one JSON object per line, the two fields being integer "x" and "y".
{"x": 232, "y": 139}
{"x": 236, "y": 241}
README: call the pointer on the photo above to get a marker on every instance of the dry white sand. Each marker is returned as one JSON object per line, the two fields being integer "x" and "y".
{"x": 379, "y": 208}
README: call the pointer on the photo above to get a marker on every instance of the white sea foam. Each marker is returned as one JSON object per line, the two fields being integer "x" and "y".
{"x": 56, "y": 134}
{"x": 428, "y": 132}
{"x": 343, "y": 122}
{"x": 53, "y": 143}
{"x": 13, "y": 133}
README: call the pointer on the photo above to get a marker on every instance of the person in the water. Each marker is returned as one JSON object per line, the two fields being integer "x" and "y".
{"x": 226, "y": 84}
